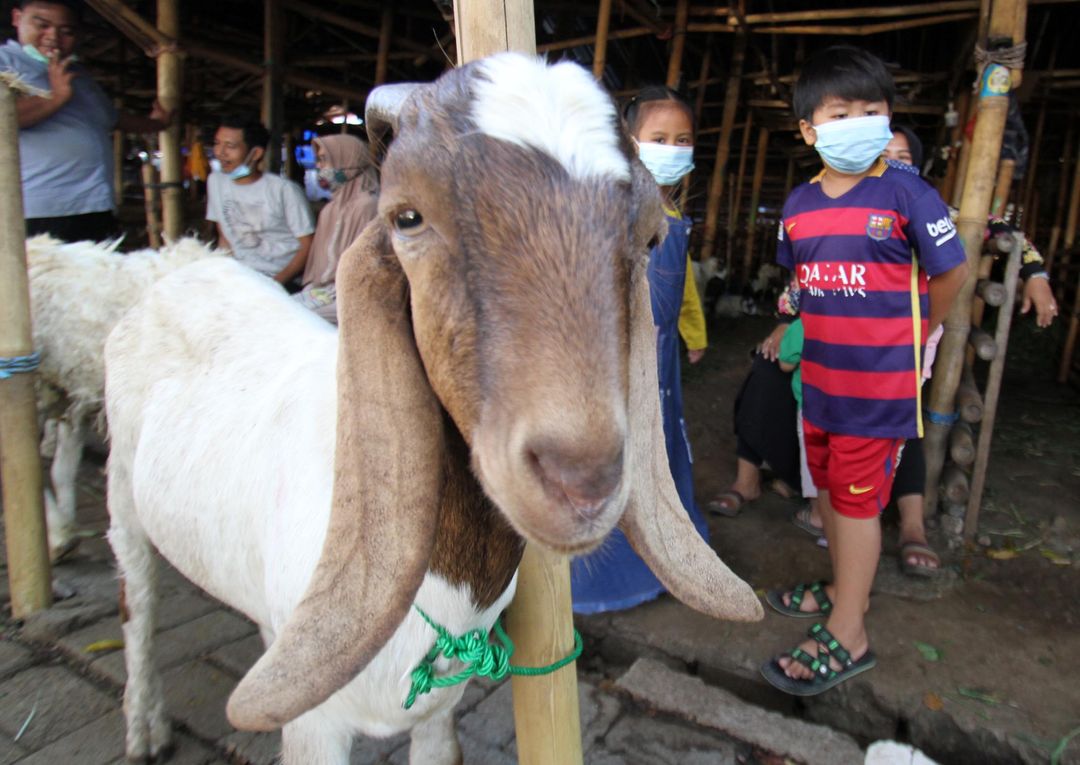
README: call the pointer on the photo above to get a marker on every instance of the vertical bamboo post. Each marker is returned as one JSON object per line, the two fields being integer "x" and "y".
{"x": 956, "y": 137}
{"x": 723, "y": 147}
{"x": 993, "y": 388}
{"x": 20, "y": 463}
{"x": 1004, "y": 185}
{"x": 382, "y": 57}
{"x": 1060, "y": 207}
{"x": 118, "y": 160}
{"x": 755, "y": 198}
{"x": 1070, "y": 239}
{"x": 992, "y": 109}
{"x": 168, "y": 93}
{"x": 678, "y": 43}
{"x": 789, "y": 176}
{"x": 736, "y": 198}
{"x": 150, "y": 202}
{"x": 1031, "y": 172}
{"x": 546, "y": 715}
{"x": 603, "y": 22}
{"x": 273, "y": 107}
{"x": 1074, "y": 205}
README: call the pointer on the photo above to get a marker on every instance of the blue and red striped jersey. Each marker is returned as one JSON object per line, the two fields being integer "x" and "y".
{"x": 862, "y": 261}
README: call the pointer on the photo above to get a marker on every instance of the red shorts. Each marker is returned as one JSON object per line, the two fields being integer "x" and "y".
{"x": 857, "y": 472}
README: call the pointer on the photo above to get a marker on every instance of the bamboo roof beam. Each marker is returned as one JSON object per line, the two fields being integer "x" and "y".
{"x": 834, "y": 14}
{"x": 307, "y": 82}
{"x": 618, "y": 34}
{"x": 856, "y": 30}
{"x": 344, "y": 22}
{"x": 133, "y": 26}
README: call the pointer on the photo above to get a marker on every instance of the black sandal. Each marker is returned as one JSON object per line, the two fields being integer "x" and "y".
{"x": 775, "y": 599}
{"x": 825, "y": 677}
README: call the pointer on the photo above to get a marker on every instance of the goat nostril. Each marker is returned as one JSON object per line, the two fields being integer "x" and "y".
{"x": 586, "y": 483}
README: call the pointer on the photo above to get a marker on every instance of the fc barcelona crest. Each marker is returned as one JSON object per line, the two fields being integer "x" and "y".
{"x": 879, "y": 227}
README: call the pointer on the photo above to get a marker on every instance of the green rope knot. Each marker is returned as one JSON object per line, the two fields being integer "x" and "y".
{"x": 480, "y": 656}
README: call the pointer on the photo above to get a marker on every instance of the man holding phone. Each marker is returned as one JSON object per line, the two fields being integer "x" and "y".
{"x": 65, "y": 142}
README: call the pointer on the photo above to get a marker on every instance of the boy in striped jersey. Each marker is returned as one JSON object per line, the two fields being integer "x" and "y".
{"x": 878, "y": 264}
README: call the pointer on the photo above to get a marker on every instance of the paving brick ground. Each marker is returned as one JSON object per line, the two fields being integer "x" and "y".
{"x": 60, "y": 703}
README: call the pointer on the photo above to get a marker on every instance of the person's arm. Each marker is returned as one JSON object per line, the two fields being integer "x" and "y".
{"x": 30, "y": 110}
{"x": 159, "y": 119}
{"x": 295, "y": 267}
{"x": 222, "y": 240}
{"x": 692, "y": 318}
{"x": 943, "y": 289}
{"x": 1037, "y": 293}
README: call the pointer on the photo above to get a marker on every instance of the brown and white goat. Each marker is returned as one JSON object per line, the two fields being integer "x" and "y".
{"x": 495, "y": 380}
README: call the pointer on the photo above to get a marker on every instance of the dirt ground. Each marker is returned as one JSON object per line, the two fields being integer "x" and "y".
{"x": 999, "y": 625}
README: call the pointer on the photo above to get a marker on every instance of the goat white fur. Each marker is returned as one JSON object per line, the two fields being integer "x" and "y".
{"x": 324, "y": 482}
{"x": 246, "y": 355}
{"x": 78, "y": 292}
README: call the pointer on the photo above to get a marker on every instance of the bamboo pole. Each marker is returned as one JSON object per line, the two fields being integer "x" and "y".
{"x": 962, "y": 444}
{"x": 854, "y": 30}
{"x": 723, "y": 148}
{"x": 1070, "y": 239}
{"x": 546, "y": 716}
{"x": 603, "y": 23}
{"x": 678, "y": 43}
{"x": 992, "y": 109}
{"x": 1004, "y": 185}
{"x": 1061, "y": 206}
{"x": 382, "y": 59}
{"x": 955, "y": 142}
{"x": 993, "y": 389}
{"x": 331, "y": 87}
{"x": 1031, "y": 172}
{"x": 965, "y": 153}
{"x": 969, "y": 401}
{"x": 118, "y": 160}
{"x": 755, "y": 198}
{"x": 168, "y": 93}
{"x": 20, "y": 463}
{"x": 736, "y": 198}
{"x": 150, "y": 204}
{"x": 273, "y": 103}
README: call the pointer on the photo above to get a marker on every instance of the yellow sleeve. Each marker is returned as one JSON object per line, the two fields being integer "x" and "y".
{"x": 691, "y": 317}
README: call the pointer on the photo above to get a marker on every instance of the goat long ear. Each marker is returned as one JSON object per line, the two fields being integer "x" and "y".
{"x": 388, "y": 477}
{"x": 655, "y": 522}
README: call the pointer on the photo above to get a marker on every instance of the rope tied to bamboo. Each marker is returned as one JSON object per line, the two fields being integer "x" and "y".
{"x": 1011, "y": 57}
{"x": 480, "y": 656}
{"x": 13, "y": 365}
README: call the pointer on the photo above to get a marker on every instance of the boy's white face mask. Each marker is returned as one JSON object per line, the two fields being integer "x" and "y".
{"x": 668, "y": 164}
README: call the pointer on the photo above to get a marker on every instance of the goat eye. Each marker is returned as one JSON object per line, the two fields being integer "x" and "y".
{"x": 406, "y": 220}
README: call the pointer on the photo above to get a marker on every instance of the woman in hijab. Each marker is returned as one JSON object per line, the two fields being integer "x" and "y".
{"x": 345, "y": 168}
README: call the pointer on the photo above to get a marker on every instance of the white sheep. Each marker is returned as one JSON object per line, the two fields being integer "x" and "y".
{"x": 78, "y": 291}
{"x": 494, "y": 378}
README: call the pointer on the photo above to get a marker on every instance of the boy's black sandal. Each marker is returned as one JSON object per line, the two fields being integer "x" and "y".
{"x": 825, "y": 677}
{"x": 775, "y": 599}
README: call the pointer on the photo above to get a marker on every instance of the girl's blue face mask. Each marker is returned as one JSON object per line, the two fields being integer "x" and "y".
{"x": 668, "y": 164}
{"x": 851, "y": 146}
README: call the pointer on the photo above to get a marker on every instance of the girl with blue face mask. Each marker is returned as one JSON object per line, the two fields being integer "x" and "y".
{"x": 662, "y": 127}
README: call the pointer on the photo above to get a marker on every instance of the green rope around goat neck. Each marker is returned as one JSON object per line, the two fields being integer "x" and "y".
{"x": 480, "y": 656}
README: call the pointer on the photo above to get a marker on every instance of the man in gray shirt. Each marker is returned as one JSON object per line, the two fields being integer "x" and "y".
{"x": 65, "y": 143}
{"x": 264, "y": 219}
